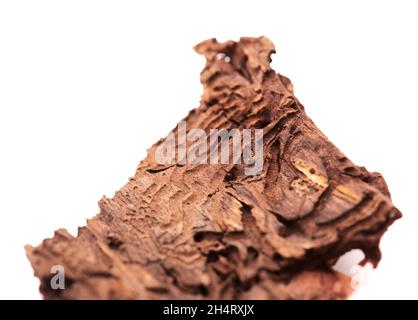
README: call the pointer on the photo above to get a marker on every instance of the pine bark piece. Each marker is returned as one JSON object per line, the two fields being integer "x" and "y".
{"x": 210, "y": 231}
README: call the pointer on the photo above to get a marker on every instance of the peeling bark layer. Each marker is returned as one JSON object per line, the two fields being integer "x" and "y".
{"x": 210, "y": 231}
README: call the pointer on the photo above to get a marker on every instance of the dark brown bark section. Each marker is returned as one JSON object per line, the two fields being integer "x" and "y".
{"x": 210, "y": 231}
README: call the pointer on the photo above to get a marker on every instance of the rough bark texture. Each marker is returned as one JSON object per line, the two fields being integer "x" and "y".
{"x": 210, "y": 231}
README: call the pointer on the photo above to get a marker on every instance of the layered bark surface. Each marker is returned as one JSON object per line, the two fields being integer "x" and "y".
{"x": 210, "y": 231}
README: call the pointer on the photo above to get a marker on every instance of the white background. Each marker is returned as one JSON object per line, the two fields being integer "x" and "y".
{"x": 87, "y": 86}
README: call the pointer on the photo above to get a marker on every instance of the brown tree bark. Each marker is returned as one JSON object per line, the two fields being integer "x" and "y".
{"x": 210, "y": 231}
